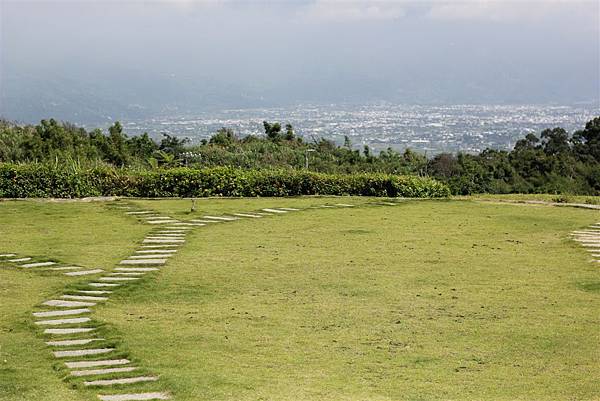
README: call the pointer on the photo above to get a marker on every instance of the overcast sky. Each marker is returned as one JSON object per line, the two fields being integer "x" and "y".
{"x": 266, "y": 52}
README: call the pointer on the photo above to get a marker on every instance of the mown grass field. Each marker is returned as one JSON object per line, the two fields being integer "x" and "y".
{"x": 427, "y": 300}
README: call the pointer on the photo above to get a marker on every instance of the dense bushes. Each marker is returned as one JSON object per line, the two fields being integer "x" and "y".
{"x": 43, "y": 180}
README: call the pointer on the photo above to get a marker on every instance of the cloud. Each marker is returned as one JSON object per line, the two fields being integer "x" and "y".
{"x": 511, "y": 10}
{"x": 353, "y": 10}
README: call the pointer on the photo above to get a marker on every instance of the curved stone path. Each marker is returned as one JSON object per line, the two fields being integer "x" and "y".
{"x": 590, "y": 239}
{"x": 66, "y": 322}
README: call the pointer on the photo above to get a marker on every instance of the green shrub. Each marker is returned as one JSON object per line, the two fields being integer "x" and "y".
{"x": 42, "y": 180}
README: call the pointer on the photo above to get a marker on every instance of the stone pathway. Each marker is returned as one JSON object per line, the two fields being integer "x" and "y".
{"x": 67, "y": 322}
{"x": 589, "y": 238}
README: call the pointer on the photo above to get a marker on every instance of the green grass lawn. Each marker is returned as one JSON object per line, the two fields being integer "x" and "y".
{"x": 427, "y": 300}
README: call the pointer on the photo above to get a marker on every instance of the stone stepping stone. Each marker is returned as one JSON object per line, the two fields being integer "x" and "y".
{"x": 56, "y": 322}
{"x": 164, "y": 237}
{"x": 264, "y": 214}
{"x": 344, "y": 205}
{"x": 64, "y": 312}
{"x": 84, "y": 272}
{"x": 221, "y": 218}
{"x": 127, "y": 274}
{"x": 127, "y": 380}
{"x": 162, "y": 221}
{"x": 103, "y": 285}
{"x": 159, "y": 218}
{"x": 204, "y": 221}
{"x": 161, "y": 251}
{"x": 82, "y": 352}
{"x": 39, "y": 264}
{"x": 93, "y": 364}
{"x": 189, "y": 224}
{"x": 326, "y": 206}
{"x": 143, "y": 262}
{"x": 274, "y": 210}
{"x": 84, "y": 298}
{"x": 135, "y": 397}
{"x": 140, "y": 212}
{"x": 137, "y": 269}
{"x": 169, "y": 235}
{"x": 119, "y": 278}
{"x": 160, "y": 241}
{"x": 92, "y": 372}
{"x": 7, "y": 255}
{"x": 68, "y": 304}
{"x": 19, "y": 260}
{"x": 289, "y": 209}
{"x": 71, "y": 330}
{"x": 155, "y": 255}
{"x": 159, "y": 246}
{"x": 256, "y": 216}
{"x": 99, "y": 292}
{"x": 66, "y": 268}
{"x": 66, "y": 343}
{"x": 388, "y": 203}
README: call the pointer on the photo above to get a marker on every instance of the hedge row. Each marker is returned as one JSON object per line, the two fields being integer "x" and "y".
{"x": 41, "y": 181}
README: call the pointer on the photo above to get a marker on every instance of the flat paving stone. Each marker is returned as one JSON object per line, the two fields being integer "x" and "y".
{"x": 7, "y": 255}
{"x": 39, "y": 264}
{"x": 169, "y": 235}
{"x": 162, "y": 241}
{"x": 141, "y": 212}
{"x": 92, "y": 372}
{"x": 160, "y": 251}
{"x": 159, "y": 246}
{"x": 160, "y": 218}
{"x": 83, "y": 272}
{"x": 119, "y": 278}
{"x": 127, "y": 274}
{"x": 135, "y": 397}
{"x": 189, "y": 224}
{"x": 256, "y": 216}
{"x": 93, "y": 364}
{"x": 344, "y": 205}
{"x": 67, "y": 304}
{"x": 164, "y": 237}
{"x": 126, "y": 380}
{"x": 66, "y": 343}
{"x": 137, "y": 269}
{"x": 70, "y": 330}
{"x": 62, "y": 312}
{"x": 143, "y": 262}
{"x": 66, "y": 268}
{"x": 289, "y": 209}
{"x": 222, "y": 218}
{"x": 103, "y": 285}
{"x": 204, "y": 221}
{"x": 274, "y": 210}
{"x": 19, "y": 260}
{"x": 161, "y": 221}
{"x": 82, "y": 352}
{"x": 57, "y": 322}
{"x": 99, "y": 292}
{"x": 84, "y": 298}
{"x": 150, "y": 256}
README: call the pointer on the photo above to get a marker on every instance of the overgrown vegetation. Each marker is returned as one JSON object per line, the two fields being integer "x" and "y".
{"x": 553, "y": 162}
